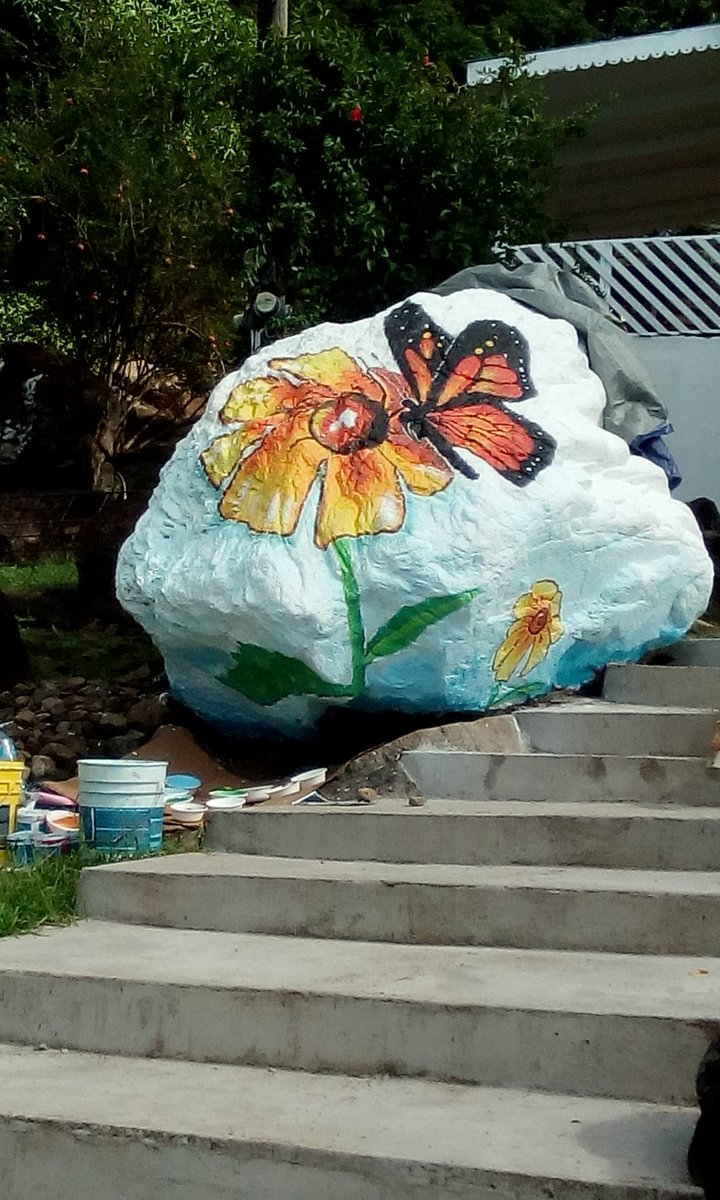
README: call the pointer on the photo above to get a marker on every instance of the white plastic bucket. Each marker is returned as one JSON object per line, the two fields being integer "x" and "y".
{"x": 122, "y": 770}
{"x": 110, "y": 789}
{"x": 121, "y": 783}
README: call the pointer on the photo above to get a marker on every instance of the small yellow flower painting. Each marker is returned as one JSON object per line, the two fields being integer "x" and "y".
{"x": 537, "y": 626}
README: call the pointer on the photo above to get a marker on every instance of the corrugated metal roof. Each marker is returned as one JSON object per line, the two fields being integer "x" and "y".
{"x": 695, "y": 40}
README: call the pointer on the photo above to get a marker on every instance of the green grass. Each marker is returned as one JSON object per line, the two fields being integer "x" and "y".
{"x": 56, "y": 653}
{"x": 49, "y": 574}
{"x": 42, "y": 894}
{"x": 61, "y": 630}
{"x": 46, "y": 893}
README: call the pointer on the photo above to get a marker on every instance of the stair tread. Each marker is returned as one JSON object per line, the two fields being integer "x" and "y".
{"x": 597, "y": 810}
{"x": 676, "y": 987}
{"x": 281, "y": 1113}
{"x": 533, "y": 756}
{"x": 571, "y": 878}
{"x": 591, "y": 705}
{"x": 713, "y": 672}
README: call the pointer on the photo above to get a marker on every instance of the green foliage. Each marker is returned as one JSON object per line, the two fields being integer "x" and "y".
{"x": 608, "y": 18}
{"x": 46, "y": 893}
{"x": 455, "y": 31}
{"x": 154, "y": 161}
{"x": 156, "y": 164}
{"x": 118, "y": 154}
{"x": 375, "y": 174}
{"x": 42, "y": 894}
{"x": 22, "y": 320}
{"x": 62, "y": 636}
{"x": 46, "y": 574}
{"x": 56, "y": 653}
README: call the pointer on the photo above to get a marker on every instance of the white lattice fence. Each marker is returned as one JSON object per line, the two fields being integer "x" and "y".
{"x": 664, "y": 285}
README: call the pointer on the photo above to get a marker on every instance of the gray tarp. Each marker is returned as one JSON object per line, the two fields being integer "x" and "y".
{"x": 632, "y": 408}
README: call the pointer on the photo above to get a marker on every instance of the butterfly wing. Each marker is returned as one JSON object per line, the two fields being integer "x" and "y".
{"x": 488, "y": 358}
{"x": 419, "y": 347}
{"x": 515, "y": 447}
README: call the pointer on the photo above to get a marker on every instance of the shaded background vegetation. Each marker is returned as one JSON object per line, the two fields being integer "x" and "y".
{"x": 156, "y": 164}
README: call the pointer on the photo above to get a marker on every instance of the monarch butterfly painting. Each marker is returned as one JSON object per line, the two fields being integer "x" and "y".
{"x": 459, "y": 388}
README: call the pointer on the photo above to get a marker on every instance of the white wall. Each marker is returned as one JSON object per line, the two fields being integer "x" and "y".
{"x": 686, "y": 374}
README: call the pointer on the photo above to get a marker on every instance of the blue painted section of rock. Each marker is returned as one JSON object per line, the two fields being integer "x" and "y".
{"x": 418, "y": 512}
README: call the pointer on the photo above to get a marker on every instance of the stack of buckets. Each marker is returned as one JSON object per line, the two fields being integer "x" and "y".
{"x": 11, "y": 777}
{"x": 121, "y": 804}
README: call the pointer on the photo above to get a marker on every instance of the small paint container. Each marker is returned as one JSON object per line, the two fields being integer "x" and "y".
{"x": 183, "y": 783}
{"x": 21, "y": 847}
{"x": 29, "y": 819}
{"x": 226, "y": 803}
{"x": 314, "y": 778}
{"x": 64, "y": 823}
{"x": 48, "y": 845}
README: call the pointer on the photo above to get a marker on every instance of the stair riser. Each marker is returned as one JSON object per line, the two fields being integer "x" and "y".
{"x": 428, "y": 913}
{"x": 691, "y": 687}
{"x": 556, "y": 840}
{"x": 627, "y": 1057}
{"x": 698, "y": 652}
{"x": 557, "y": 731}
{"x": 66, "y": 1161}
{"x": 462, "y": 775}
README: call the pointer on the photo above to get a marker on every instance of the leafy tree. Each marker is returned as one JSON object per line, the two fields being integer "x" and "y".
{"x": 118, "y": 158}
{"x": 373, "y": 173}
{"x": 154, "y": 159}
{"x": 455, "y": 31}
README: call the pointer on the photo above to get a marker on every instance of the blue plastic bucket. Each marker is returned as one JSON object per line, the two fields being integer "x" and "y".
{"x": 123, "y": 830}
{"x": 28, "y": 846}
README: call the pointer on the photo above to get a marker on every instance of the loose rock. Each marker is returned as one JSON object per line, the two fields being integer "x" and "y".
{"x": 43, "y": 767}
{"x": 148, "y": 713}
{"x": 111, "y": 722}
{"x": 58, "y": 751}
{"x": 118, "y": 747}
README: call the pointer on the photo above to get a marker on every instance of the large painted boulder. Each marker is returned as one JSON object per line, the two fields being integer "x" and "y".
{"x": 421, "y": 512}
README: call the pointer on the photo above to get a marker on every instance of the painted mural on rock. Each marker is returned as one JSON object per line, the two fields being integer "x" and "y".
{"x": 417, "y": 512}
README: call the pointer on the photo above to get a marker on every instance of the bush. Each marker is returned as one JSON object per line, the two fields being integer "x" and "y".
{"x": 119, "y": 157}
{"x": 156, "y": 165}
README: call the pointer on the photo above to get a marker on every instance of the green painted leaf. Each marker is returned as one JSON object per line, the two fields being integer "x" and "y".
{"x": 408, "y": 623}
{"x": 507, "y": 696}
{"x": 266, "y": 676}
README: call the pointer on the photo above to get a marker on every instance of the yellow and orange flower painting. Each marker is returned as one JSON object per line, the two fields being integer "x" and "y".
{"x": 325, "y": 416}
{"x": 537, "y": 626}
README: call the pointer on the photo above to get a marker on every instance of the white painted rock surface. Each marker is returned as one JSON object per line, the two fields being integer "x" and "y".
{"x": 419, "y": 511}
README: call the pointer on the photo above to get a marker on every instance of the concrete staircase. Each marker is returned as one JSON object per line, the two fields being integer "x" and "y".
{"x": 500, "y": 995}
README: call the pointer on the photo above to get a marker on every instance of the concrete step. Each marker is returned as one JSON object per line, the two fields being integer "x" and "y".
{"x": 578, "y": 778}
{"x": 541, "y": 833}
{"x": 590, "y": 1024}
{"x": 569, "y": 908}
{"x": 695, "y": 687}
{"x": 696, "y": 652}
{"x": 80, "y": 1125}
{"x": 598, "y": 727}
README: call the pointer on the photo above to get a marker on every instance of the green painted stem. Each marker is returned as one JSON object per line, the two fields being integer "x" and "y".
{"x": 354, "y": 616}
